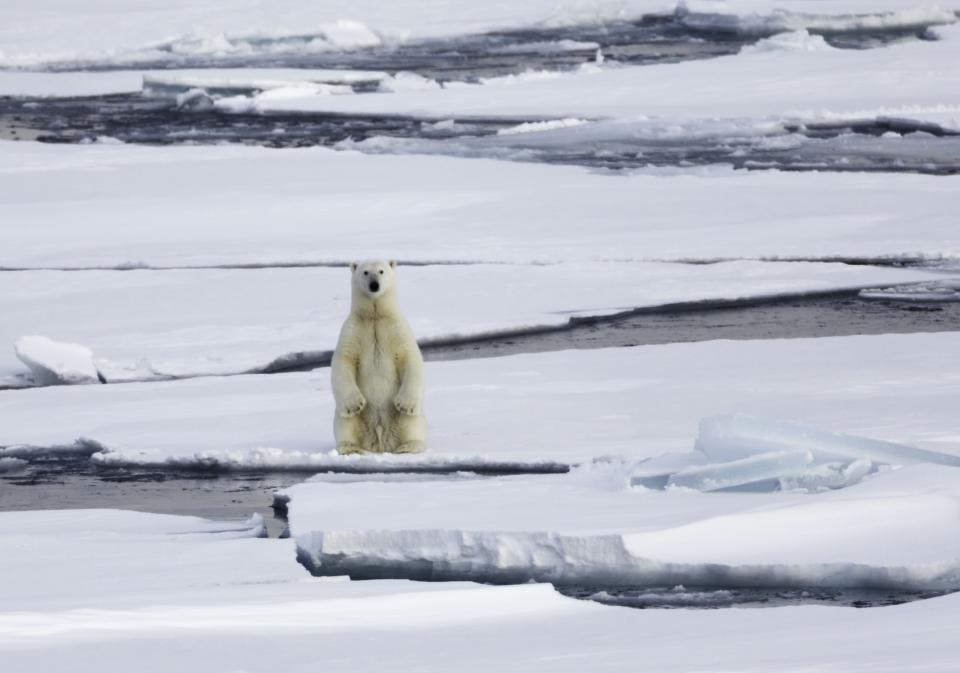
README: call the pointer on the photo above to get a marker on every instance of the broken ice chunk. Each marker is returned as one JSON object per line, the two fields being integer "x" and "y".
{"x": 726, "y": 438}
{"x": 56, "y": 363}
{"x": 943, "y": 290}
{"x": 715, "y": 476}
{"x": 196, "y": 100}
{"x": 828, "y": 476}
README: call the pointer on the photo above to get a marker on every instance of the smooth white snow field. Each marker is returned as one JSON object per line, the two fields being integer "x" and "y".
{"x": 156, "y": 593}
{"x": 117, "y": 205}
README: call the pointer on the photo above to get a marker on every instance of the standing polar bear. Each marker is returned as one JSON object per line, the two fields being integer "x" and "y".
{"x": 377, "y": 370}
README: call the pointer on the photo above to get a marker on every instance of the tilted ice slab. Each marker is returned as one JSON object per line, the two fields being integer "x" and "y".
{"x": 177, "y": 323}
{"x": 755, "y": 468}
{"x": 739, "y": 437}
{"x": 247, "y": 205}
{"x": 55, "y": 362}
{"x": 561, "y": 407}
{"x": 587, "y": 527}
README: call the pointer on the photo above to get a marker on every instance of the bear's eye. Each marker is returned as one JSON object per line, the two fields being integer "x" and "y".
{"x": 365, "y": 273}
{"x": 381, "y": 272}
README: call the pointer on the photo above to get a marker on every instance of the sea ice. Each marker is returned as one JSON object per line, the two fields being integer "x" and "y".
{"x": 756, "y": 468}
{"x": 53, "y": 362}
{"x": 943, "y": 290}
{"x": 563, "y": 406}
{"x": 798, "y": 40}
{"x": 563, "y": 529}
{"x": 729, "y": 438}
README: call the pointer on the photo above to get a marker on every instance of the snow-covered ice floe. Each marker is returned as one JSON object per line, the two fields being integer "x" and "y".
{"x": 128, "y": 573}
{"x": 154, "y": 325}
{"x": 561, "y": 407}
{"x": 585, "y": 528}
{"x": 149, "y": 592}
{"x": 337, "y": 206}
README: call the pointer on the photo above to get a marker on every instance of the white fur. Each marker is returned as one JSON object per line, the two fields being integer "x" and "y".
{"x": 377, "y": 370}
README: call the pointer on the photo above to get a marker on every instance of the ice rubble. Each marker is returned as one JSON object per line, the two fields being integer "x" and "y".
{"x": 56, "y": 363}
{"x": 741, "y": 451}
{"x": 799, "y": 40}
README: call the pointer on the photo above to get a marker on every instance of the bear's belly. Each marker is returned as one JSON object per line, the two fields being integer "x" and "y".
{"x": 378, "y": 378}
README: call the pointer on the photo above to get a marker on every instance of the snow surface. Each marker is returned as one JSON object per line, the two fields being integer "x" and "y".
{"x": 567, "y": 406}
{"x": 173, "y": 323}
{"x": 127, "y": 206}
{"x": 150, "y": 592}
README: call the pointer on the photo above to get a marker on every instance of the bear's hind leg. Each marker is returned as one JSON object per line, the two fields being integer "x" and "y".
{"x": 347, "y": 431}
{"x": 410, "y": 435}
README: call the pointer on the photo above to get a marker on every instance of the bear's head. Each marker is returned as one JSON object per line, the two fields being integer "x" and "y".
{"x": 373, "y": 279}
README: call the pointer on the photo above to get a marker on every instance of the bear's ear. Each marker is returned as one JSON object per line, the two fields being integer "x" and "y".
{"x": 393, "y": 264}
{"x": 353, "y": 266}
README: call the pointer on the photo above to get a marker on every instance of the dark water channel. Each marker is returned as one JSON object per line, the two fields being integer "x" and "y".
{"x": 885, "y": 145}
{"x": 713, "y": 598}
{"x": 830, "y": 314}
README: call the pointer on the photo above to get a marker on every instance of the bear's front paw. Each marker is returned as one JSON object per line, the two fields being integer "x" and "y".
{"x": 405, "y": 404}
{"x": 354, "y": 404}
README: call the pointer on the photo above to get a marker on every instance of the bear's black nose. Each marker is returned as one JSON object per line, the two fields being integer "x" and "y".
{"x": 374, "y": 286}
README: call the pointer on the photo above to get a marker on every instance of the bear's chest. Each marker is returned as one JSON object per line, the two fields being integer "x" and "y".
{"x": 379, "y": 355}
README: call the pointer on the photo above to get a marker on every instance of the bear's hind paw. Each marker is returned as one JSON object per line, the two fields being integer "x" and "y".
{"x": 348, "y": 448}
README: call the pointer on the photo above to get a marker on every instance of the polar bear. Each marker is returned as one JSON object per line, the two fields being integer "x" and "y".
{"x": 377, "y": 370}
